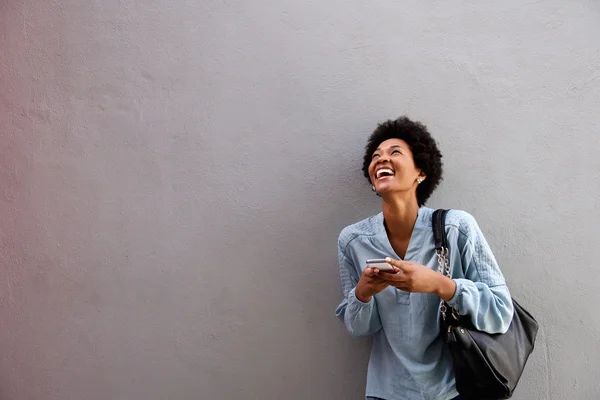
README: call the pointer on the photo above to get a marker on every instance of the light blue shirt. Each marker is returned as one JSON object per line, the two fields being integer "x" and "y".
{"x": 409, "y": 359}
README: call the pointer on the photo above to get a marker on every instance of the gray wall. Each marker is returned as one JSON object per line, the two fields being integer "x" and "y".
{"x": 174, "y": 176}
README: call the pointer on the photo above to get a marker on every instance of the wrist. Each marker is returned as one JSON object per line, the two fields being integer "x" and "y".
{"x": 360, "y": 294}
{"x": 446, "y": 288}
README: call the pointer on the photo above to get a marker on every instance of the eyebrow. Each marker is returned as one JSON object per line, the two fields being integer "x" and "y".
{"x": 390, "y": 147}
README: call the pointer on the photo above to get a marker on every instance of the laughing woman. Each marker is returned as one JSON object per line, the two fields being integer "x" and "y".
{"x": 400, "y": 308}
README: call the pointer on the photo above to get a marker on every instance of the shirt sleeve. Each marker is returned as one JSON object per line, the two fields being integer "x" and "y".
{"x": 482, "y": 295}
{"x": 361, "y": 319}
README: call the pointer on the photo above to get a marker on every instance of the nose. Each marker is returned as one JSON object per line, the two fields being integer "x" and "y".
{"x": 383, "y": 159}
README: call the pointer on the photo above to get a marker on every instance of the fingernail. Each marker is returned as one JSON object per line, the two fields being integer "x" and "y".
{"x": 387, "y": 259}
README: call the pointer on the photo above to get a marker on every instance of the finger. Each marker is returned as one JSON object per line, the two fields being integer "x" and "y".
{"x": 402, "y": 265}
{"x": 397, "y": 284}
{"x": 373, "y": 274}
{"x": 394, "y": 271}
{"x": 395, "y": 278}
{"x": 376, "y": 277}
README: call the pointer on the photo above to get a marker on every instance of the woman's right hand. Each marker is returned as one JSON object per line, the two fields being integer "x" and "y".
{"x": 369, "y": 284}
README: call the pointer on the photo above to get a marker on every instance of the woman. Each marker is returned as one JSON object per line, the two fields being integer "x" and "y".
{"x": 400, "y": 309}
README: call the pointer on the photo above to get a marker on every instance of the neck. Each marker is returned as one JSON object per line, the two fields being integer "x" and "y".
{"x": 400, "y": 216}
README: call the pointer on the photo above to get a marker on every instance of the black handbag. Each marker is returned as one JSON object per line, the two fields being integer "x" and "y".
{"x": 486, "y": 366}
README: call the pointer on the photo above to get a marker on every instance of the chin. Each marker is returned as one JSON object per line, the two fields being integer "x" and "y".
{"x": 388, "y": 190}
{"x": 384, "y": 190}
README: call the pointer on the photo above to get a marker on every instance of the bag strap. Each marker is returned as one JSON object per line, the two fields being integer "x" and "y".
{"x": 438, "y": 223}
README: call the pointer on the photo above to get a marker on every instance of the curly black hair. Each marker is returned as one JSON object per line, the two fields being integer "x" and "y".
{"x": 426, "y": 154}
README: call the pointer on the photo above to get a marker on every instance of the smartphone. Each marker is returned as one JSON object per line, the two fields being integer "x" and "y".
{"x": 380, "y": 264}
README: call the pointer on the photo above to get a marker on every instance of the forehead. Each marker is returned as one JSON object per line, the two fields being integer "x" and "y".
{"x": 386, "y": 144}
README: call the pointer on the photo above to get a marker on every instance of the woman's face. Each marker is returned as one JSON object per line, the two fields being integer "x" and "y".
{"x": 393, "y": 169}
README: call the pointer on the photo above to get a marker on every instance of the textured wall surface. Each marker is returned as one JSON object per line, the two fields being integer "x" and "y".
{"x": 174, "y": 175}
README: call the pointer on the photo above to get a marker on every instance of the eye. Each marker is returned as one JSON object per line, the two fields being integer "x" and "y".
{"x": 396, "y": 151}
{"x": 375, "y": 156}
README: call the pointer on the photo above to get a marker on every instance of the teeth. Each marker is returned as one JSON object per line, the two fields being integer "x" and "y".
{"x": 382, "y": 170}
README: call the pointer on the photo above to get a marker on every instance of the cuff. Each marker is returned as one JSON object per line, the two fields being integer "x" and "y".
{"x": 453, "y": 302}
{"x": 352, "y": 295}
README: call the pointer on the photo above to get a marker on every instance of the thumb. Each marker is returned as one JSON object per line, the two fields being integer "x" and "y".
{"x": 402, "y": 265}
{"x": 369, "y": 271}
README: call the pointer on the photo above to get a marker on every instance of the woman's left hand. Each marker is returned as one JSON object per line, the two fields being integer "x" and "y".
{"x": 415, "y": 277}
